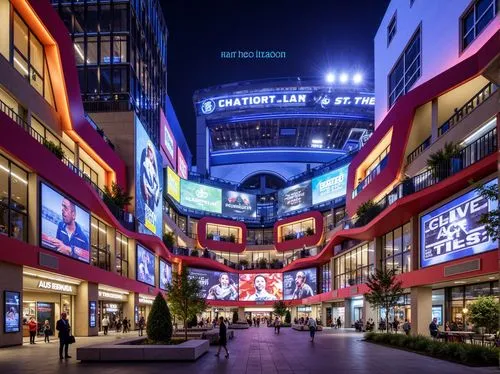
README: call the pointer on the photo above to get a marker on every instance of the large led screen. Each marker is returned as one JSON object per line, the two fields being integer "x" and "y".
{"x": 145, "y": 266}
{"x": 295, "y": 197}
{"x": 165, "y": 274}
{"x": 12, "y": 307}
{"x": 65, "y": 226}
{"x": 239, "y": 204}
{"x": 452, "y": 231}
{"x": 201, "y": 197}
{"x": 173, "y": 185}
{"x": 329, "y": 186}
{"x": 148, "y": 182}
{"x": 216, "y": 285}
{"x": 299, "y": 284}
{"x": 261, "y": 287}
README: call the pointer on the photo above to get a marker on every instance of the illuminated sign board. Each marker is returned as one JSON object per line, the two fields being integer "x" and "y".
{"x": 173, "y": 185}
{"x": 295, "y": 197}
{"x": 55, "y": 286}
{"x": 239, "y": 204}
{"x": 453, "y": 231}
{"x": 304, "y": 98}
{"x": 110, "y": 295}
{"x": 182, "y": 167}
{"x": 329, "y": 186}
{"x": 201, "y": 197}
{"x": 168, "y": 144}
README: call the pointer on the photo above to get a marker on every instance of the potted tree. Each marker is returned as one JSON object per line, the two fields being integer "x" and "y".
{"x": 263, "y": 263}
{"x": 484, "y": 313}
{"x": 54, "y": 148}
{"x": 232, "y": 238}
{"x": 159, "y": 325}
{"x": 117, "y": 195}
{"x": 445, "y": 161}
{"x": 244, "y": 264}
{"x": 194, "y": 253}
{"x": 169, "y": 239}
{"x": 210, "y": 236}
{"x": 366, "y": 212}
{"x": 309, "y": 231}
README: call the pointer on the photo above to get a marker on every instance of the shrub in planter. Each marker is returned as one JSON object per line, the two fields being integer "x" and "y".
{"x": 159, "y": 325}
{"x": 441, "y": 161}
{"x": 117, "y": 195}
{"x": 210, "y": 236}
{"x": 54, "y": 148}
{"x": 194, "y": 253}
{"x": 288, "y": 317}
{"x": 169, "y": 239}
{"x": 309, "y": 231}
{"x": 232, "y": 238}
{"x": 263, "y": 263}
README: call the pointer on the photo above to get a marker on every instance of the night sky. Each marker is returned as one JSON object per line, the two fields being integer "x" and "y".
{"x": 317, "y": 36}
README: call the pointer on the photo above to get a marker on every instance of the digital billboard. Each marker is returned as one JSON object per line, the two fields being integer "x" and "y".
{"x": 216, "y": 285}
{"x": 145, "y": 266}
{"x": 12, "y": 307}
{"x": 239, "y": 204}
{"x": 168, "y": 144}
{"x": 173, "y": 185}
{"x": 452, "y": 231}
{"x": 148, "y": 182}
{"x": 65, "y": 226}
{"x": 299, "y": 284}
{"x": 329, "y": 186}
{"x": 294, "y": 197}
{"x": 261, "y": 287}
{"x": 182, "y": 166}
{"x": 201, "y": 197}
{"x": 92, "y": 313}
{"x": 165, "y": 274}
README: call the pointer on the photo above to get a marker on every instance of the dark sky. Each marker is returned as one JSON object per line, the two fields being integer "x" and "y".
{"x": 317, "y": 36}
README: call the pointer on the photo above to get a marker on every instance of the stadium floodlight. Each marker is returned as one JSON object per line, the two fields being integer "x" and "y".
{"x": 344, "y": 78}
{"x": 330, "y": 78}
{"x": 317, "y": 143}
{"x": 236, "y": 144}
{"x": 357, "y": 78}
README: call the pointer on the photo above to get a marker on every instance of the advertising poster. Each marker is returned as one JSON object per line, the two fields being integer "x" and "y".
{"x": 294, "y": 197}
{"x": 65, "y": 226}
{"x": 12, "y": 305}
{"x": 239, "y": 204}
{"x": 92, "y": 313}
{"x": 165, "y": 274}
{"x": 201, "y": 197}
{"x": 329, "y": 186}
{"x": 261, "y": 287}
{"x": 182, "y": 167}
{"x": 216, "y": 285}
{"x": 168, "y": 144}
{"x": 437, "y": 312}
{"x": 45, "y": 312}
{"x": 173, "y": 185}
{"x": 145, "y": 266}
{"x": 299, "y": 284}
{"x": 452, "y": 231}
{"x": 148, "y": 182}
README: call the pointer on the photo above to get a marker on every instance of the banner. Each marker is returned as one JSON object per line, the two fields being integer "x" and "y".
{"x": 165, "y": 274}
{"x": 145, "y": 266}
{"x": 329, "y": 186}
{"x": 182, "y": 166}
{"x": 201, "y": 197}
{"x": 299, "y": 284}
{"x": 452, "y": 231}
{"x": 261, "y": 287}
{"x": 12, "y": 308}
{"x": 168, "y": 144}
{"x": 216, "y": 285}
{"x": 173, "y": 185}
{"x": 239, "y": 204}
{"x": 295, "y": 197}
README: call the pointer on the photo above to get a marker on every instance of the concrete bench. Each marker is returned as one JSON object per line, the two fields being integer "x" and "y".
{"x": 213, "y": 336}
{"x": 305, "y": 327}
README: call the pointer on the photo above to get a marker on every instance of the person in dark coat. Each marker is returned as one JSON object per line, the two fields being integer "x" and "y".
{"x": 222, "y": 337}
{"x": 64, "y": 332}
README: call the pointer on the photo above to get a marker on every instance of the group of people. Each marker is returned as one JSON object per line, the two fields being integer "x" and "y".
{"x": 121, "y": 325}
{"x": 64, "y": 333}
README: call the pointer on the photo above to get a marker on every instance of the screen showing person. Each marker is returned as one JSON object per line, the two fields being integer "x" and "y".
{"x": 11, "y": 307}
{"x": 261, "y": 287}
{"x": 216, "y": 285}
{"x": 145, "y": 266}
{"x": 165, "y": 274}
{"x": 65, "y": 226}
{"x": 299, "y": 284}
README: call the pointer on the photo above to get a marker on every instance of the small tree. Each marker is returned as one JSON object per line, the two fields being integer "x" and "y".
{"x": 117, "y": 195}
{"x": 491, "y": 220}
{"x": 235, "y": 316}
{"x": 288, "y": 317}
{"x": 184, "y": 297}
{"x": 159, "y": 327}
{"x": 439, "y": 161}
{"x": 485, "y": 312}
{"x": 280, "y": 308}
{"x": 169, "y": 239}
{"x": 385, "y": 291}
{"x": 56, "y": 149}
{"x": 366, "y": 212}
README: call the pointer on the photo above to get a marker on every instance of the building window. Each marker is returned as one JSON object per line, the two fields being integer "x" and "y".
{"x": 223, "y": 233}
{"x": 407, "y": 69}
{"x": 297, "y": 230}
{"x": 28, "y": 58}
{"x": 121, "y": 254}
{"x": 13, "y": 200}
{"x": 396, "y": 246}
{"x": 353, "y": 267}
{"x": 326, "y": 278}
{"x": 101, "y": 256}
{"x": 476, "y": 19}
{"x": 40, "y": 132}
{"x": 391, "y": 29}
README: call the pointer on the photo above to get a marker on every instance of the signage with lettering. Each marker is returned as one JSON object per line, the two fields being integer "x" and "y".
{"x": 329, "y": 186}
{"x": 110, "y": 295}
{"x": 295, "y": 197}
{"x": 55, "y": 286}
{"x": 453, "y": 231}
{"x": 182, "y": 167}
{"x": 145, "y": 300}
{"x": 320, "y": 98}
{"x": 168, "y": 144}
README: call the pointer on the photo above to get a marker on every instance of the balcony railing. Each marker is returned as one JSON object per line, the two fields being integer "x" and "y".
{"x": 422, "y": 147}
{"x": 126, "y": 219}
{"x": 370, "y": 177}
{"x": 484, "y": 146}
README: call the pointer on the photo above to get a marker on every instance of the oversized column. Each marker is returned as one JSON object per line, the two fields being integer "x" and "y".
{"x": 241, "y": 314}
{"x": 129, "y": 308}
{"x": 323, "y": 312}
{"x": 347, "y": 313}
{"x": 11, "y": 279}
{"x": 368, "y": 312}
{"x": 86, "y": 292}
{"x": 421, "y": 310}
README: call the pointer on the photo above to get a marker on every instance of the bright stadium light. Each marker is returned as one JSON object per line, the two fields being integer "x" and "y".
{"x": 317, "y": 143}
{"x": 357, "y": 78}
{"x": 236, "y": 144}
{"x": 344, "y": 78}
{"x": 330, "y": 78}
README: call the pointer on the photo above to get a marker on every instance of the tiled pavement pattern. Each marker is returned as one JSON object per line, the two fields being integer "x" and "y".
{"x": 253, "y": 351}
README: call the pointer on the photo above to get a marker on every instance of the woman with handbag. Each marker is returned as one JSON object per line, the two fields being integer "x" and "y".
{"x": 65, "y": 337}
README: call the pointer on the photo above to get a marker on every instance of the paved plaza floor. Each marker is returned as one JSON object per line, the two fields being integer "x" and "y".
{"x": 253, "y": 351}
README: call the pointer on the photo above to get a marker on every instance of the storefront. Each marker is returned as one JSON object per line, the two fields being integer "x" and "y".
{"x": 45, "y": 297}
{"x": 111, "y": 304}
{"x": 337, "y": 310}
{"x": 144, "y": 307}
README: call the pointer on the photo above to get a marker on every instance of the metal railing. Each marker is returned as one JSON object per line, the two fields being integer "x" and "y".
{"x": 422, "y": 147}
{"x": 370, "y": 177}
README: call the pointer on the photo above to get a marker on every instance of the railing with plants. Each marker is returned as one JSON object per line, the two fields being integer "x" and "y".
{"x": 297, "y": 235}
{"x": 370, "y": 177}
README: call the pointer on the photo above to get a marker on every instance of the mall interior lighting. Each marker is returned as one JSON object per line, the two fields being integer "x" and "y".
{"x": 357, "y": 78}
{"x": 330, "y": 78}
{"x": 344, "y": 78}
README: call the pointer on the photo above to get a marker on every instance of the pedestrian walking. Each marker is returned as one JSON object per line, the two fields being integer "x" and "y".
{"x": 339, "y": 323}
{"x": 125, "y": 325}
{"x": 142, "y": 324}
{"x": 222, "y": 337}
{"x": 118, "y": 325}
{"x": 32, "y": 326}
{"x": 105, "y": 324}
{"x": 64, "y": 336}
{"x": 46, "y": 331}
{"x": 312, "y": 328}
{"x": 277, "y": 325}
{"x": 406, "y": 327}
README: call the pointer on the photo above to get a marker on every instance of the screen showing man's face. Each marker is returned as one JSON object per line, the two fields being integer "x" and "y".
{"x": 260, "y": 283}
{"x": 299, "y": 280}
{"x": 68, "y": 212}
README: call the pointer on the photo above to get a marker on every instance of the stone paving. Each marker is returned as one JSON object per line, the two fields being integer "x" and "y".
{"x": 253, "y": 351}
